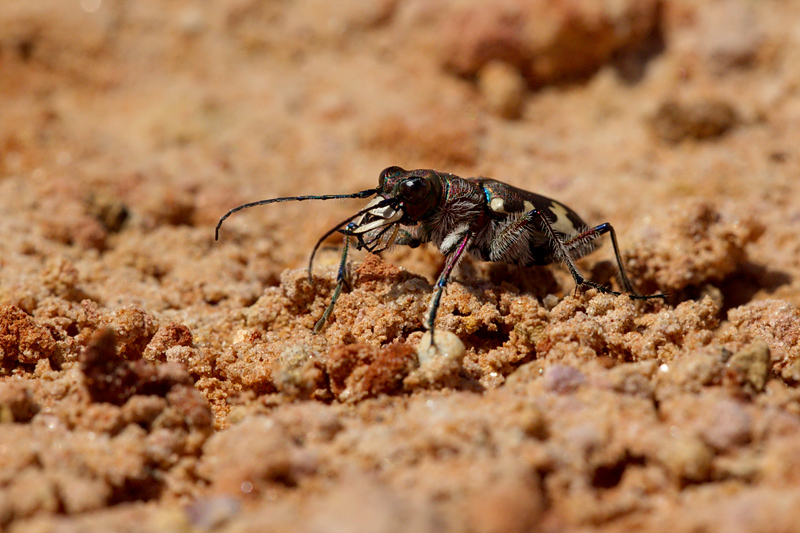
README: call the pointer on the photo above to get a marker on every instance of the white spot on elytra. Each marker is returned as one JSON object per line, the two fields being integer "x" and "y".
{"x": 498, "y": 205}
{"x": 562, "y": 223}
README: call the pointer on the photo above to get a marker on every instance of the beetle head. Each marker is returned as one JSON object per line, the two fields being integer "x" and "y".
{"x": 403, "y": 197}
{"x": 418, "y": 192}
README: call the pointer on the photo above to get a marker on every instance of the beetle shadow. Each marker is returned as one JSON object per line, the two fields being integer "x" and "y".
{"x": 743, "y": 284}
{"x": 737, "y": 288}
{"x": 538, "y": 281}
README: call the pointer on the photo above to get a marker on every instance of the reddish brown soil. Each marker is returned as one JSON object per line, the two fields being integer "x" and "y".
{"x": 154, "y": 380}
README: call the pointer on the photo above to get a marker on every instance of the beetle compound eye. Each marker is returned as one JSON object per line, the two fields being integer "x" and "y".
{"x": 414, "y": 190}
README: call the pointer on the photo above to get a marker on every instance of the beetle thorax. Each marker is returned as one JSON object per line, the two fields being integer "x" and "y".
{"x": 460, "y": 211}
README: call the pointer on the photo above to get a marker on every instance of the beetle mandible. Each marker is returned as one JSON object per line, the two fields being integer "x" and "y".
{"x": 486, "y": 218}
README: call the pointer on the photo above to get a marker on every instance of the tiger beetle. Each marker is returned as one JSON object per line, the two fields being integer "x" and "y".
{"x": 489, "y": 219}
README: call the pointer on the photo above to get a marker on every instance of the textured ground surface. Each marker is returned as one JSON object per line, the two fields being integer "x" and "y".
{"x": 152, "y": 379}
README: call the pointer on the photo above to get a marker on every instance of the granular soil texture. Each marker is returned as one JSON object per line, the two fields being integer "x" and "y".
{"x": 152, "y": 379}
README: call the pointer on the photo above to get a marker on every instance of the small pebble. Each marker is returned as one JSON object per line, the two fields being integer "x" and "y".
{"x": 440, "y": 364}
{"x": 698, "y": 120}
{"x": 687, "y": 458}
{"x": 752, "y": 364}
{"x": 503, "y": 87}
{"x": 550, "y": 301}
{"x": 448, "y": 345}
{"x": 563, "y": 379}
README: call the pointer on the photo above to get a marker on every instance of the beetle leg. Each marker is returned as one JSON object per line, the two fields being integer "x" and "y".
{"x": 452, "y": 260}
{"x": 406, "y": 238}
{"x": 562, "y": 249}
{"x": 506, "y": 237}
{"x": 341, "y": 280}
{"x": 593, "y": 233}
{"x": 401, "y": 237}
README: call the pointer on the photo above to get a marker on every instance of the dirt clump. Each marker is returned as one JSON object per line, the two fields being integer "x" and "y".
{"x": 154, "y": 379}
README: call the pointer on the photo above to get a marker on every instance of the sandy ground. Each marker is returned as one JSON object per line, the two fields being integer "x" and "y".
{"x": 152, "y": 379}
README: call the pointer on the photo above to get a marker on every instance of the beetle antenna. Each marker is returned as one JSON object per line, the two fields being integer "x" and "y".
{"x": 383, "y": 203}
{"x": 361, "y": 194}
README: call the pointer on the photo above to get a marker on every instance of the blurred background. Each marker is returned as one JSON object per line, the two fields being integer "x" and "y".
{"x": 164, "y": 114}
